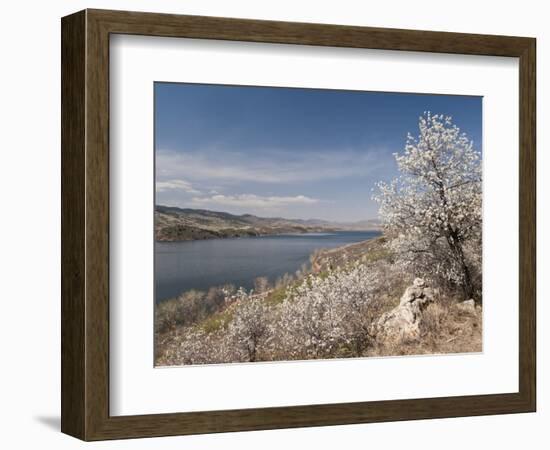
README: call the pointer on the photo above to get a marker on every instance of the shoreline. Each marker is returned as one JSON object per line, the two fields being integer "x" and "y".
{"x": 260, "y": 235}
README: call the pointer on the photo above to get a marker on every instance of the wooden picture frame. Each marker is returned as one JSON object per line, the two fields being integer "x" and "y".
{"x": 85, "y": 224}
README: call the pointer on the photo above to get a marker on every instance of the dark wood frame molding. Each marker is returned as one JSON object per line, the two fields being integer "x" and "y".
{"x": 85, "y": 224}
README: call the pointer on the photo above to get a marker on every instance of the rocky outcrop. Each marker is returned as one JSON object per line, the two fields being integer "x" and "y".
{"x": 403, "y": 322}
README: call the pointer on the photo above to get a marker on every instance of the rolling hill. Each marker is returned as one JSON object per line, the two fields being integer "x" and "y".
{"x": 184, "y": 224}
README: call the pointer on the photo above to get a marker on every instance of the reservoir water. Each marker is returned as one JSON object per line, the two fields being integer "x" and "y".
{"x": 181, "y": 266}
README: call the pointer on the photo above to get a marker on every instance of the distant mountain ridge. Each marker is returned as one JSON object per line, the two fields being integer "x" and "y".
{"x": 181, "y": 224}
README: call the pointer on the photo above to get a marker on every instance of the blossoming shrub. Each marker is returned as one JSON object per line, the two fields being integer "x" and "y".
{"x": 328, "y": 316}
{"x": 249, "y": 331}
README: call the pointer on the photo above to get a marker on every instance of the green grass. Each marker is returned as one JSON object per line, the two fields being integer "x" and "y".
{"x": 377, "y": 254}
{"x": 276, "y": 296}
{"x": 217, "y": 321}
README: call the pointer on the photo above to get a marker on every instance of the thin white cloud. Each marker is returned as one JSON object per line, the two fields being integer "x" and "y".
{"x": 268, "y": 167}
{"x": 252, "y": 201}
{"x": 179, "y": 185}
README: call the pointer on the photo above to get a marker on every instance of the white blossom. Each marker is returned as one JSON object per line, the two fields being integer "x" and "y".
{"x": 433, "y": 209}
{"x": 330, "y": 315}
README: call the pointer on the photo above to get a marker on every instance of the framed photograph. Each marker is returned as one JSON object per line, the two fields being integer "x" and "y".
{"x": 273, "y": 225}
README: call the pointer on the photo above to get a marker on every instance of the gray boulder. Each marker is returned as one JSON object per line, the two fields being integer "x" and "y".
{"x": 403, "y": 322}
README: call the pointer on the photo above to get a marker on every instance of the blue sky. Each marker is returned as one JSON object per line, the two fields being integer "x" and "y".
{"x": 281, "y": 152}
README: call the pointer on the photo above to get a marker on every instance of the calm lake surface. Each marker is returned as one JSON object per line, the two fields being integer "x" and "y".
{"x": 180, "y": 266}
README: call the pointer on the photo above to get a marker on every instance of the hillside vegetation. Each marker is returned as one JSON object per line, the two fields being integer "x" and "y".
{"x": 184, "y": 224}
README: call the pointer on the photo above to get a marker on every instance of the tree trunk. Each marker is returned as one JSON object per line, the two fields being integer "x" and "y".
{"x": 456, "y": 248}
{"x": 252, "y": 350}
{"x": 454, "y": 241}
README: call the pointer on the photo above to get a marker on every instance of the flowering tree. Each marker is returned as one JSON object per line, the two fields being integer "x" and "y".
{"x": 433, "y": 209}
